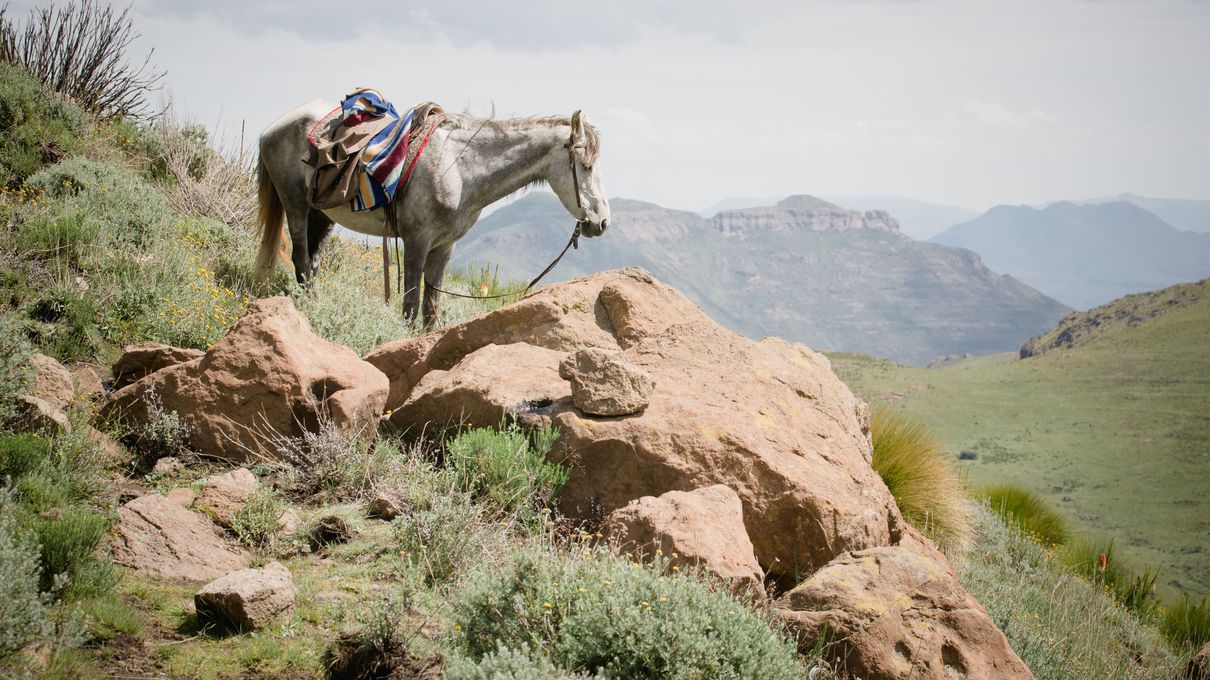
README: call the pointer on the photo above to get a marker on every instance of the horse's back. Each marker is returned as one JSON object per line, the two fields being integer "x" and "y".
{"x": 301, "y": 117}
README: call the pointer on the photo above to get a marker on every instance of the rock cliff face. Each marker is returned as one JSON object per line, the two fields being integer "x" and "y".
{"x": 803, "y": 269}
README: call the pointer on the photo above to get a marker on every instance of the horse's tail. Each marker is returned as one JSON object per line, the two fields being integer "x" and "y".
{"x": 269, "y": 222}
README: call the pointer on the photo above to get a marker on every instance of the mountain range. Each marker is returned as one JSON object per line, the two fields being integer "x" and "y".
{"x": 803, "y": 269}
{"x": 919, "y": 219}
{"x": 1086, "y": 255}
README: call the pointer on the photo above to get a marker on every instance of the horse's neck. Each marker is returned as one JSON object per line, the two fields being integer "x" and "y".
{"x": 498, "y": 162}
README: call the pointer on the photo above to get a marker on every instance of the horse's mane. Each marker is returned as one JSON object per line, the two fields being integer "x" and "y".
{"x": 592, "y": 143}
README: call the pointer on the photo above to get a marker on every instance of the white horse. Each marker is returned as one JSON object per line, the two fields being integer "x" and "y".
{"x": 467, "y": 164}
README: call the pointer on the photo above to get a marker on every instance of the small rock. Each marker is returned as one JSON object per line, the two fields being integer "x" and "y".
{"x": 168, "y": 466}
{"x": 35, "y": 414}
{"x": 138, "y": 361}
{"x": 383, "y": 508}
{"x": 182, "y": 496}
{"x": 288, "y": 522}
{"x": 88, "y": 383}
{"x": 114, "y": 452}
{"x": 248, "y": 599}
{"x": 329, "y": 530}
{"x": 157, "y": 537}
{"x": 604, "y": 383}
{"x": 223, "y": 494}
{"x": 705, "y": 526}
{"x": 52, "y": 382}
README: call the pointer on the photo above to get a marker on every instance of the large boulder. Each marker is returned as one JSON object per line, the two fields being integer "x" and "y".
{"x": 139, "y": 361}
{"x": 892, "y": 614}
{"x": 269, "y": 378}
{"x": 52, "y": 382}
{"x": 222, "y": 495}
{"x": 157, "y": 537}
{"x": 704, "y": 526}
{"x": 248, "y": 599}
{"x": 769, "y": 419}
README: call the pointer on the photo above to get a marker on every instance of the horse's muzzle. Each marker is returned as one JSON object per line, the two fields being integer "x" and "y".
{"x": 591, "y": 229}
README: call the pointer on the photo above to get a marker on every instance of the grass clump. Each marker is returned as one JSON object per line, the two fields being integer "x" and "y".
{"x": 588, "y": 610}
{"x": 924, "y": 483}
{"x": 256, "y": 524}
{"x": 67, "y": 545}
{"x": 1100, "y": 565}
{"x": 507, "y": 468}
{"x": 1187, "y": 623}
{"x": 445, "y": 537}
{"x": 15, "y": 372}
{"x": 1026, "y": 511}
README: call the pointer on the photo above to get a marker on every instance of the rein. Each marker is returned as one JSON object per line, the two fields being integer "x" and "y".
{"x": 572, "y": 243}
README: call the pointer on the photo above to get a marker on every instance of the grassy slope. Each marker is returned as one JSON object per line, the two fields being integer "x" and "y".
{"x": 1115, "y": 432}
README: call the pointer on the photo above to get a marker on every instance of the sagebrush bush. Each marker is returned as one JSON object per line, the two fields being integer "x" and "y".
{"x": 444, "y": 537}
{"x": 67, "y": 546}
{"x": 335, "y": 461}
{"x": 586, "y": 609}
{"x": 507, "y": 468}
{"x": 509, "y": 664}
{"x": 24, "y": 610}
{"x": 924, "y": 483}
{"x": 1026, "y": 511}
{"x": 36, "y": 127}
{"x": 256, "y": 524}
{"x": 1186, "y": 624}
{"x": 15, "y": 372}
{"x": 164, "y": 433}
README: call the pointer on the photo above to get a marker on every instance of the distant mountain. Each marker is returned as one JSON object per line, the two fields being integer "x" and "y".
{"x": 1084, "y": 255}
{"x": 1184, "y": 214}
{"x": 803, "y": 269}
{"x": 738, "y": 203}
{"x": 919, "y": 219}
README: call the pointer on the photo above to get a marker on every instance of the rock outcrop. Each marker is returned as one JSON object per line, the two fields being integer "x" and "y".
{"x": 270, "y": 377}
{"x": 139, "y": 361}
{"x": 43, "y": 406}
{"x": 222, "y": 495}
{"x": 893, "y": 614}
{"x": 768, "y": 419}
{"x": 603, "y": 383}
{"x": 704, "y": 526}
{"x": 248, "y": 599}
{"x": 157, "y": 537}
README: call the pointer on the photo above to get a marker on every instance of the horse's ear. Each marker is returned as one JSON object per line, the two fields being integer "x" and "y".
{"x": 577, "y": 126}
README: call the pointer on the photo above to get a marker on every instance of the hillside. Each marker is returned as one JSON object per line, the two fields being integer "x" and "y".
{"x": 919, "y": 219}
{"x": 1113, "y": 430}
{"x": 1184, "y": 214}
{"x": 804, "y": 269}
{"x": 1084, "y": 255}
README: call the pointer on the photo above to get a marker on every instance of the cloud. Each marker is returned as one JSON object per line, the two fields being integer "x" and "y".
{"x": 994, "y": 114}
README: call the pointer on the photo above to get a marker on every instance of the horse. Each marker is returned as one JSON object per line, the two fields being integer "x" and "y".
{"x": 468, "y": 164}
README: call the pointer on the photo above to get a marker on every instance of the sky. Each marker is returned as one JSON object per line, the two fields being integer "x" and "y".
{"x": 965, "y": 103}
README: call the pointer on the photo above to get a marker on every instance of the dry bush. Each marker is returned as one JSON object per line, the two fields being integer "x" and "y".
{"x": 79, "y": 50}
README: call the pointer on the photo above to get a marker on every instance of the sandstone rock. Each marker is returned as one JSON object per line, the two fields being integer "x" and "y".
{"x": 403, "y": 361}
{"x": 35, "y": 414}
{"x": 114, "y": 452}
{"x": 248, "y": 599}
{"x": 52, "y": 382}
{"x": 487, "y": 385}
{"x": 270, "y": 377}
{"x": 168, "y": 466}
{"x": 1199, "y": 665}
{"x": 769, "y": 419}
{"x": 895, "y": 615}
{"x": 157, "y": 537}
{"x": 87, "y": 382}
{"x": 705, "y": 526}
{"x": 603, "y": 383}
{"x": 223, "y": 494}
{"x": 182, "y": 496}
{"x": 383, "y": 508}
{"x": 138, "y": 361}
{"x": 288, "y": 522}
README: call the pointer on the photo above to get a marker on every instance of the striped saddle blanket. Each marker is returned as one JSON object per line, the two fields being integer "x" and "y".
{"x": 361, "y": 150}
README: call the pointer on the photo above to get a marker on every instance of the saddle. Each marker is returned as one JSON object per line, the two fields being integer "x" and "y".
{"x": 358, "y": 154}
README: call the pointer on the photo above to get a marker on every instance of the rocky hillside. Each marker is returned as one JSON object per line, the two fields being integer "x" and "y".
{"x": 1084, "y": 255}
{"x": 803, "y": 269}
{"x": 1081, "y": 328}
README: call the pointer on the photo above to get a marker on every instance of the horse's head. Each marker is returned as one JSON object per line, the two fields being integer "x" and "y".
{"x": 576, "y": 179}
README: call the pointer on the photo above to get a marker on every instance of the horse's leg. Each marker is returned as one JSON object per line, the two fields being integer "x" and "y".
{"x": 415, "y": 254}
{"x": 434, "y": 278}
{"x": 318, "y": 229}
{"x": 297, "y": 220}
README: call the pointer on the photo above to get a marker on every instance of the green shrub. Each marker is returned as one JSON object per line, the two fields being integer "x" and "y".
{"x": 336, "y": 462}
{"x": 15, "y": 372}
{"x": 67, "y": 544}
{"x": 1026, "y": 511}
{"x": 445, "y": 537}
{"x": 1187, "y": 623}
{"x": 36, "y": 127}
{"x": 24, "y": 611}
{"x": 164, "y": 433}
{"x": 508, "y": 664}
{"x": 1101, "y": 566}
{"x": 589, "y": 610}
{"x": 507, "y": 469}
{"x": 108, "y": 615}
{"x": 924, "y": 483}
{"x": 257, "y": 523}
